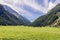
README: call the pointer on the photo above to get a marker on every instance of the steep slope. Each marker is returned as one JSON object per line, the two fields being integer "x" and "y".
{"x": 49, "y": 18}
{"x": 25, "y": 20}
{"x": 10, "y": 17}
{"x": 57, "y": 21}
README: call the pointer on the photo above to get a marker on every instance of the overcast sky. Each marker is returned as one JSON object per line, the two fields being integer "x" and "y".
{"x": 31, "y": 9}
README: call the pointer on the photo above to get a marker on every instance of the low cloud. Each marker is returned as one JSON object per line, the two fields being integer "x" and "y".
{"x": 17, "y": 4}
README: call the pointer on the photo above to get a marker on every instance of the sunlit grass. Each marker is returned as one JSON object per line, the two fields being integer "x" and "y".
{"x": 29, "y": 33}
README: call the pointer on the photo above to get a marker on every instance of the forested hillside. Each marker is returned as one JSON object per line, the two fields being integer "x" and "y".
{"x": 51, "y": 18}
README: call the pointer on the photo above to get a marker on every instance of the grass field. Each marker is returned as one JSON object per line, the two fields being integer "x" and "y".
{"x": 29, "y": 33}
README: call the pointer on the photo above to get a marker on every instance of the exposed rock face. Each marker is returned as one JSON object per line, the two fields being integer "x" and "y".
{"x": 51, "y": 18}
{"x": 57, "y": 21}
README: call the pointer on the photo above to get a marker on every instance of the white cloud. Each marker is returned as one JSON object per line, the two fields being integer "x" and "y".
{"x": 57, "y": 2}
{"x": 32, "y": 3}
{"x": 1, "y": 1}
{"x": 51, "y": 5}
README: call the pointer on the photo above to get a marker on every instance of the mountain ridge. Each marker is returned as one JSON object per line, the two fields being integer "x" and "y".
{"x": 49, "y": 18}
{"x": 8, "y": 17}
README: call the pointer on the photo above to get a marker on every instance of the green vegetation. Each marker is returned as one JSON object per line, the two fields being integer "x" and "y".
{"x": 29, "y": 33}
{"x": 11, "y": 17}
{"x": 52, "y": 17}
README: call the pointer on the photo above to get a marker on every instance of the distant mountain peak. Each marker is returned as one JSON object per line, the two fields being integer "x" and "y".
{"x": 11, "y": 17}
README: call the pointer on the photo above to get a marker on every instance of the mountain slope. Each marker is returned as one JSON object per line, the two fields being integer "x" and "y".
{"x": 25, "y": 20}
{"x": 49, "y": 18}
{"x": 10, "y": 17}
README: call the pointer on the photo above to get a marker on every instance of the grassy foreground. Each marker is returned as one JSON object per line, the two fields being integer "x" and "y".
{"x": 29, "y": 33}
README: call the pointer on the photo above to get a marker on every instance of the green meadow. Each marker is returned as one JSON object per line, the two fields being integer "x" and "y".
{"x": 29, "y": 33}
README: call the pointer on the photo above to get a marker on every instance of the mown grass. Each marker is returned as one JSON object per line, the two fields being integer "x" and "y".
{"x": 29, "y": 33}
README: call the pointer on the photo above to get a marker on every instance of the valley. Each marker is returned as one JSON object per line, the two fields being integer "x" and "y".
{"x": 29, "y": 19}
